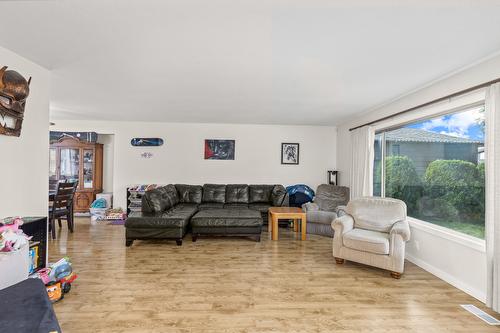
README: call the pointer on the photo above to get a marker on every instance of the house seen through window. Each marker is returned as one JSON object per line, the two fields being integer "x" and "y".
{"x": 436, "y": 166}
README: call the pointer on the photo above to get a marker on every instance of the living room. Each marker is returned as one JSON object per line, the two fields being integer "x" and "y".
{"x": 304, "y": 166}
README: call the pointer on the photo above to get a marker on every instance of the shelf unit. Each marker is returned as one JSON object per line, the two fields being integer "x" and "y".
{"x": 134, "y": 196}
{"x": 37, "y": 228}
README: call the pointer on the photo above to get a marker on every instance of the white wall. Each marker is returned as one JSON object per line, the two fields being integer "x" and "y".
{"x": 448, "y": 257}
{"x": 180, "y": 159}
{"x": 24, "y": 160}
{"x": 458, "y": 260}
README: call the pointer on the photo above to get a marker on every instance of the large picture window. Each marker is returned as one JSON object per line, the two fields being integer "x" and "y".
{"x": 436, "y": 166}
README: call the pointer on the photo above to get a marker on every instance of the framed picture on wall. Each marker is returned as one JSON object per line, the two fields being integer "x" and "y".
{"x": 219, "y": 149}
{"x": 289, "y": 153}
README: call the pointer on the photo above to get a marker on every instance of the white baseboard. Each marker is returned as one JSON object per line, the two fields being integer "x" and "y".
{"x": 481, "y": 296}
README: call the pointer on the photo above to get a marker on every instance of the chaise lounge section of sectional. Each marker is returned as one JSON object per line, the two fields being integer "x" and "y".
{"x": 169, "y": 211}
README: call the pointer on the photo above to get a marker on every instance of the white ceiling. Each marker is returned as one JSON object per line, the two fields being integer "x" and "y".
{"x": 257, "y": 61}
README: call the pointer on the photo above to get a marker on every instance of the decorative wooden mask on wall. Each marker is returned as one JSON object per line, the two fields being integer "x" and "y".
{"x": 14, "y": 90}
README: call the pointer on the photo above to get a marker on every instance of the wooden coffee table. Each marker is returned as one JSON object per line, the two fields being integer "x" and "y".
{"x": 289, "y": 213}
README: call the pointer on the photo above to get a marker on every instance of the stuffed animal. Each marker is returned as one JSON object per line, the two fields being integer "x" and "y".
{"x": 11, "y": 225}
{"x": 12, "y": 241}
{"x": 11, "y": 237}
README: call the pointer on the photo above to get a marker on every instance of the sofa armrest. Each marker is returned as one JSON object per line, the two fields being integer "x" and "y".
{"x": 341, "y": 210}
{"x": 279, "y": 196}
{"x": 310, "y": 206}
{"x": 286, "y": 201}
{"x": 343, "y": 224}
{"x": 401, "y": 228}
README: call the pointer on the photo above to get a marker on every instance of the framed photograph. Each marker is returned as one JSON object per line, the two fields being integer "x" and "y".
{"x": 219, "y": 149}
{"x": 289, "y": 153}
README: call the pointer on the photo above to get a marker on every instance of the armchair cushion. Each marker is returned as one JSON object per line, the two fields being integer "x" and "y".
{"x": 310, "y": 206}
{"x": 328, "y": 197}
{"x": 319, "y": 216}
{"x": 376, "y": 214}
{"x": 367, "y": 241}
{"x": 401, "y": 228}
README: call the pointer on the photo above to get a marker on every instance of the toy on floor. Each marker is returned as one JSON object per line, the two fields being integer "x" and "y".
{"x": 115, "y": 214}
{"x": 57, "y": 279}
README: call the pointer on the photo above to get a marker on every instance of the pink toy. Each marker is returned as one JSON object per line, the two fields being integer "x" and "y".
{"x": 43, "y": 275}
{"x": 13, "y": 225}
{"x": 11, "y": 237}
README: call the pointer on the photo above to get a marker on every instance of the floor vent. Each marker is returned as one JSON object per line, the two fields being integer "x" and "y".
{"x": 481, "y": 314}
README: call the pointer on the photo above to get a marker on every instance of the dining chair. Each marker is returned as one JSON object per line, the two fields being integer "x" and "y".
{"x": 53, "y": 184}
{"x": 62, "y": 206}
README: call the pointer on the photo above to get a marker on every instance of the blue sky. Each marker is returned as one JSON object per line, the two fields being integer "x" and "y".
{"x": 463, "y": 124}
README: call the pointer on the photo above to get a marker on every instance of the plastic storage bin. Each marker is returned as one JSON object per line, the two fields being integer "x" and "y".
{"x": 14, "y": 266}
{"x": 97, "y": 214}
{"x": 106, "y": 196}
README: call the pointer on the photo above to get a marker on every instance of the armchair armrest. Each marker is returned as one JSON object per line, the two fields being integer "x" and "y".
{"x": 310, "y": 206}
{"x": 341, "y": 210}
{"x": 401, "y": 228}
{"x": 343, "y": 224}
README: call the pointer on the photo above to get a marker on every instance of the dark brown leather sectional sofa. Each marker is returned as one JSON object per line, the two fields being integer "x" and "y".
{"x": 237, "y": 209}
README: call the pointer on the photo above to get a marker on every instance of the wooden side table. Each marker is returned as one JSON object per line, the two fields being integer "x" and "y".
{"x": 289, "y": 213}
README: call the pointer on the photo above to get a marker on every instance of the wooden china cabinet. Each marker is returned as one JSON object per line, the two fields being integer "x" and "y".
{"x": 71, "y": 160}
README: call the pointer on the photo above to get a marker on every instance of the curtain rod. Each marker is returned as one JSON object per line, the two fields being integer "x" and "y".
{"x": 461, "y": 92}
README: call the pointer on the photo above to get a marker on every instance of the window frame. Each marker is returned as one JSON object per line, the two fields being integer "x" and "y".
{"x": 458, "y": 104}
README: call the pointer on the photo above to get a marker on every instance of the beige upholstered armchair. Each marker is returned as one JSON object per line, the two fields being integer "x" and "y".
{"x": 372, "y": 232}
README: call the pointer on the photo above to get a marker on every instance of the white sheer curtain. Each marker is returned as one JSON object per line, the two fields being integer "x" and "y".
{"x": 492, "y": 152}
{"x": 69, "y": 163}
{"x": 362, "y": 150}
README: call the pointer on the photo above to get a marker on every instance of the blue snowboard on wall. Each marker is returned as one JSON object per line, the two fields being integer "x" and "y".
{"x": 146, "y": 142}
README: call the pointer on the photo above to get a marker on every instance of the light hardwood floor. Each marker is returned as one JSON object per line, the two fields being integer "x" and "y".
{"x": 221, "y": 285}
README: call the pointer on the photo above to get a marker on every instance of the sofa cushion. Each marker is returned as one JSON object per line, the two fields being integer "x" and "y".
{"x": 214, "y": 193}
{"x": 159, "y": 199}
{"x": 279, "y": 196}
{"x": 259, "y": 193}
{"x": 227, "y": 218}
{"x": 377, "y": 214}
{"x": 210, "y": 205}
{"x": 171, "y": 194}
{"x": 173, "y": 218}
{"x": 319, "y": 216}
{"x": 261, "y": 207}
{"x": 237, "y": 193}
{"x": 367, "y": 241}
{"x": 189, "y": 205}
{"x": 189, "y": 193}
{"x": 235, "y": 205}
{"x": 180, "y": 211}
